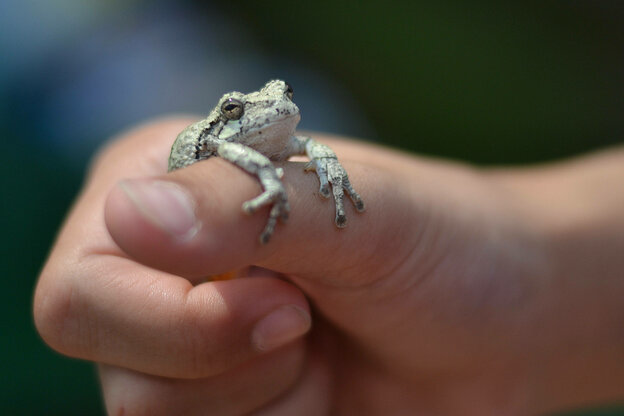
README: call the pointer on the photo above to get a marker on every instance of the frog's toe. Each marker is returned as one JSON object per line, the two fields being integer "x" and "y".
{"x": 324, "y": 190}
{"x": 265, "y": 237}
{"x": 341, "y": 220}
{"x": 359, "y": 205}
{"x": 248, "y": 207}
{"x": 266, "y": 234}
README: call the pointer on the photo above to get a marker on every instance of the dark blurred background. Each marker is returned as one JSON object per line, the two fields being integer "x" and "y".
{"x": 486, "y": 82}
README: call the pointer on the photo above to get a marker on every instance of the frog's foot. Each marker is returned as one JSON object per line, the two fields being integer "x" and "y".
{"x": 274, "y": 193}
{"x": 331, "y": 174}
{"x": 279, "y": 209}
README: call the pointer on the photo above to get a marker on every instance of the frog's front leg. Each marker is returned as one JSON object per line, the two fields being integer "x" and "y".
{"x": 323, "y": 160}
{"x": 269, "y": 176}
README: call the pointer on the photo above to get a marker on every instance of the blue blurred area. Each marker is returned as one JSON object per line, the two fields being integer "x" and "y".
{"x": 73, "y": 74}
{"x": 76, "y": 73}
{"x": 490, "y": 82}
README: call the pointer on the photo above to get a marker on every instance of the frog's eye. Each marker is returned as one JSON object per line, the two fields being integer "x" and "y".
{"x": 232, "y": 109}
{"x": 289, "y": 91}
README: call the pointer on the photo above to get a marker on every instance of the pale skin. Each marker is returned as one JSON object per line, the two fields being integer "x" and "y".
{"x": 460, "y": 291}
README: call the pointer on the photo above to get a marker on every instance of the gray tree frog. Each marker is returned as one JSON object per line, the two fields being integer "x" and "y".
{"x": 252, "y": 131}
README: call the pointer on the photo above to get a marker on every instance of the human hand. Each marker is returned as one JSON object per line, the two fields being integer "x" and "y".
{"x": 435, "y": 300}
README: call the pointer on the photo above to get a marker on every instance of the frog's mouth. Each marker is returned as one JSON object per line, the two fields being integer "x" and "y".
{"x": 277, "y": 130}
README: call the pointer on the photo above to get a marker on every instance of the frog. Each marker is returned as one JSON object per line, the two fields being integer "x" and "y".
{"x": 255, "y": 130}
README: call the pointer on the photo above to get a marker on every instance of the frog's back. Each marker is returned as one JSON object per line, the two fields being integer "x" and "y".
{"x": 187, "y": 146}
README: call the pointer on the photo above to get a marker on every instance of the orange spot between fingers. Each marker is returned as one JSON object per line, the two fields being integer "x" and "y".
{"x": 223, "y": 276}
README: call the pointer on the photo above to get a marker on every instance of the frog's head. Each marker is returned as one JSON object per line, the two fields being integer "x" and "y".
{"x": 261, "y": 119}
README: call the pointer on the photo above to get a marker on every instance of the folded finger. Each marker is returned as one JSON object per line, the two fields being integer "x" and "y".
{"x": 128, "y": 315}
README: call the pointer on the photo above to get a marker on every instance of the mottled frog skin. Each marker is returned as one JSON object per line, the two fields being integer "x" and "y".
{"x": 252, "y": 131}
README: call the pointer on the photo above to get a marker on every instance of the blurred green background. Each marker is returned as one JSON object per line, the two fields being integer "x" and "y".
{"x": 486, "y": 82}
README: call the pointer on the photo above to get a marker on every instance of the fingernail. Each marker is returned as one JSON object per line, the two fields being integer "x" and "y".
{"x": 165, "y": 204}
{"x": 280, "y": 327}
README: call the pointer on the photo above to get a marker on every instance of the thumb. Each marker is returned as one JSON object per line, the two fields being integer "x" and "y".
{"x": 190, "y": 222}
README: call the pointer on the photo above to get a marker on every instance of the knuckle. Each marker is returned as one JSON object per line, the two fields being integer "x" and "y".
{"x": 62, "y": 315}
{"x": 54, "y": 313}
